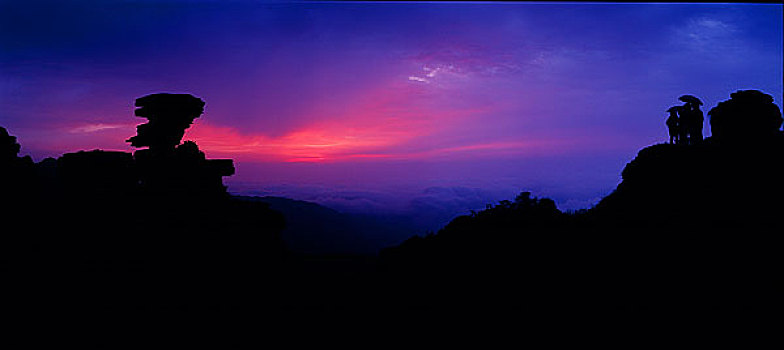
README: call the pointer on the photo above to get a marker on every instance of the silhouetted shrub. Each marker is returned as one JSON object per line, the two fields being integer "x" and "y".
{"x": 16, "y": 173}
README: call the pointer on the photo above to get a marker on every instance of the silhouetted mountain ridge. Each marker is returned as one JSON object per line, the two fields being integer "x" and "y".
{"x": 312, "y": 228}
{"x": 708, "y": 180}
{"x": 690, "y": 226}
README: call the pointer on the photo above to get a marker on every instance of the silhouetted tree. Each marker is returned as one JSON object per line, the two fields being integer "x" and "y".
{"x": 16, "y": 173}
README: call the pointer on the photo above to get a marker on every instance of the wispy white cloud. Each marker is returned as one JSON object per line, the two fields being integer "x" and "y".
{"x": 431, "y": 72}
{"x": 461, "y": 62}
{"x": 437, "y": 73}
{"x": 95, "y": 127}
{"x": 706, "y": 34}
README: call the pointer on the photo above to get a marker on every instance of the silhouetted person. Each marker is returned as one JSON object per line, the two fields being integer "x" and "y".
{"x": 683, "y": 125}
{"x": 692, "y": 122}
{"x": 689, "y": 120}
{"x": 673, "y": 125}
{"x": 698, "y": 120}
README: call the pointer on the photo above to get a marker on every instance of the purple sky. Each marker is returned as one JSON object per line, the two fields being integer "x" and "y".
{"x": 385, "y": 99}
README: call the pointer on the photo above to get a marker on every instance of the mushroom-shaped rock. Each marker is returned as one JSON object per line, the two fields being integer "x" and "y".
{"x": 169, "y": 115}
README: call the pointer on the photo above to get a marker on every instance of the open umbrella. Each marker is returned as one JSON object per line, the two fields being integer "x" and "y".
{"x": 690, "y": 99}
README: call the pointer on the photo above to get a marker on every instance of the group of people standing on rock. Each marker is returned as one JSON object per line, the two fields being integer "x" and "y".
{"x": 685, "y": 122}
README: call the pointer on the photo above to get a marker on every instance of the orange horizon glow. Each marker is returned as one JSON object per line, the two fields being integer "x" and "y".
{"x": 332, "y": 143}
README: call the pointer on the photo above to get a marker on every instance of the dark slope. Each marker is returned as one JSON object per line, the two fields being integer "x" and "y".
{"x": 712, "y": 181}
{"x": 694, "y": 227}
{"x": 315, "y": 229}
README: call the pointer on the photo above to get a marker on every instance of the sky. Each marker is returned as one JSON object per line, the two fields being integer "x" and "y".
{"x": 369, "y": 105}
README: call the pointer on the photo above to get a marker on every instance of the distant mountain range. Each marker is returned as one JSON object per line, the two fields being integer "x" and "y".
{"x": 316, "y": 229}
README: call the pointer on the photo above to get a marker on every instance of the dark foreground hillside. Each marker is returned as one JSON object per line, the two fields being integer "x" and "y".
{"x": 693, "y": 228}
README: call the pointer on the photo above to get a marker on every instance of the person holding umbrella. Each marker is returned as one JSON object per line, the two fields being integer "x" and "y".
{"x": 691, "y": 119}
{"x": 673, "y": 124}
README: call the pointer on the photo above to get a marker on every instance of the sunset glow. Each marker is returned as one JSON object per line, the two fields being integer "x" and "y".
{"x": 316, "y": 93}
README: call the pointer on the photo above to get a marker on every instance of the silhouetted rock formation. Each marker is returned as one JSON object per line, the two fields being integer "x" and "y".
{"x": 168, "y": 166}
{"x": 153, "y": 229}
{"x": 169, "y": 115}
{"x": 748, "y": 116}
{"x": 97, "y": 173}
